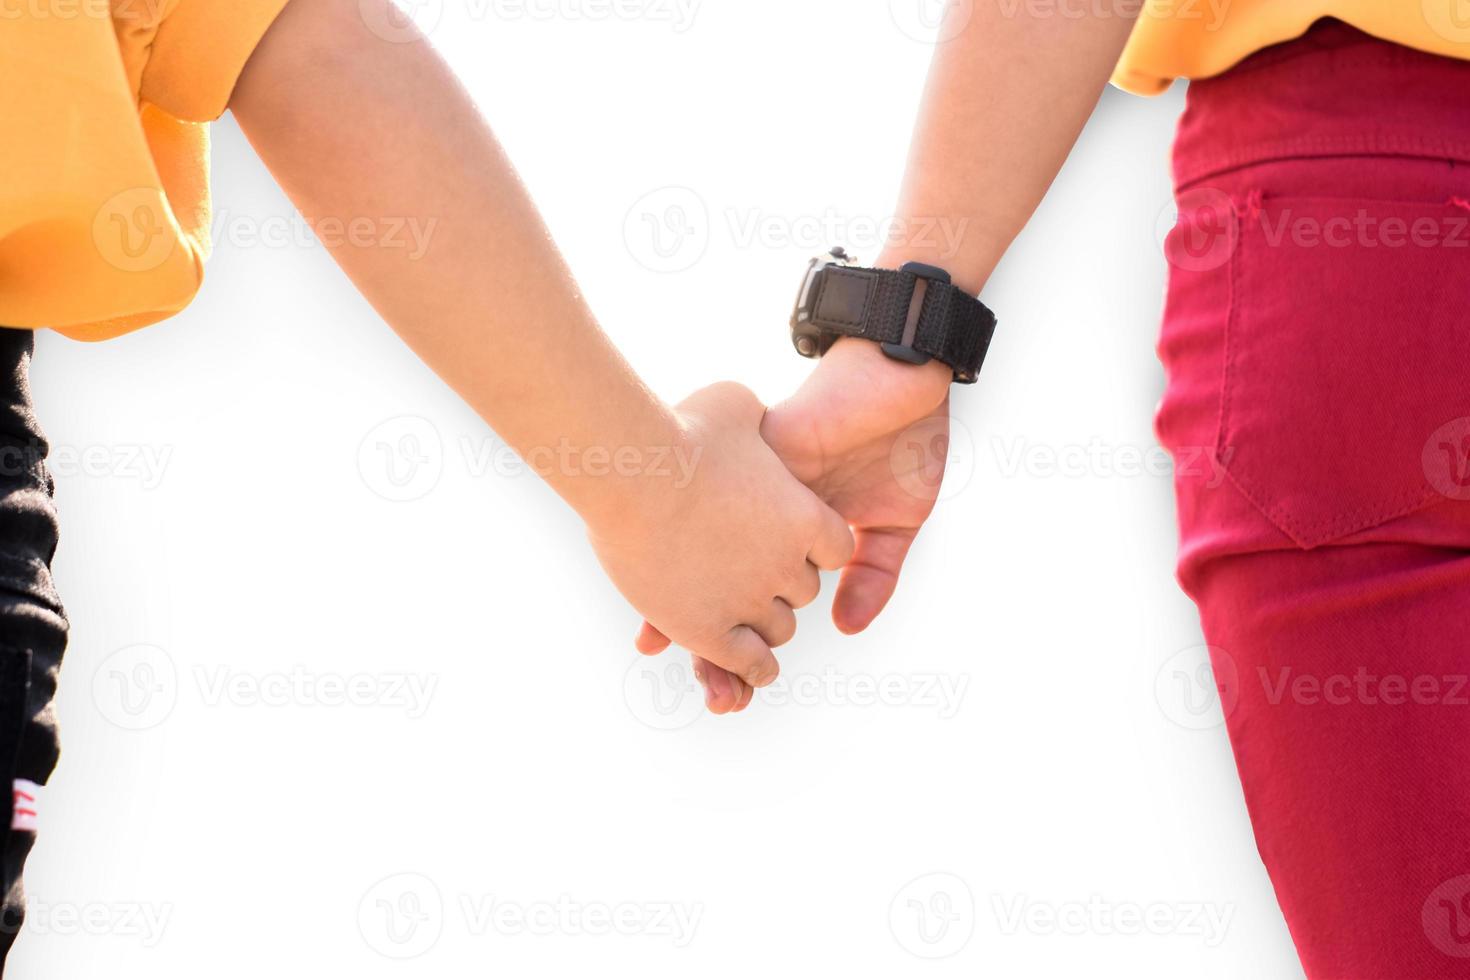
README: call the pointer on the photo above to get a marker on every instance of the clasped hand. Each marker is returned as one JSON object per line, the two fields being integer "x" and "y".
{"x": 839, "y": 476}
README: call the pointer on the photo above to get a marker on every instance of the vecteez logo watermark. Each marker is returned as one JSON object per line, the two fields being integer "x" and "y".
{"x": 1445, "y": 917}
{"x": 933, "y": 459}
{"x": 931, "y": 21}
{"x": 403, "y": 916}
{"x": 136, "y": 687}
{"x": 1198, "y": 230}
{"x": 1198, "y": 688}
{"x": 670, "y": 230}
{"x": 402, "y": 458}
{"x": 933, "y": 916}
{"x": 1446, "y": 459}
{"x": 134, "y": 230}
{"x": 662, "y": 692}
{"x": 1450, "y": 19}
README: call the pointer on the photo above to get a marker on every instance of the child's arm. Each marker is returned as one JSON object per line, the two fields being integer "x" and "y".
{"x": 357, "y": 128}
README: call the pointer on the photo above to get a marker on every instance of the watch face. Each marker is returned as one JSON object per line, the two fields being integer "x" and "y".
{"x": 806, "y": 337}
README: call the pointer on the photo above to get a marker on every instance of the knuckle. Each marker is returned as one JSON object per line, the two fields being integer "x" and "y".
{"x": 732, "y": 654}
{"x": 763, "y": 673}
{"x": 734, "y": 395}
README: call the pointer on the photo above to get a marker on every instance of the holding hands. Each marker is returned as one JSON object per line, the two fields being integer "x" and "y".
{"x": 859, "y": 433}
{"x": 839, "y": 476}
{"x": 718, "y": 565}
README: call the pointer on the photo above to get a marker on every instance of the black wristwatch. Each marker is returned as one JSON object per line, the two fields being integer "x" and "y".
{"x": 915, "y": 313}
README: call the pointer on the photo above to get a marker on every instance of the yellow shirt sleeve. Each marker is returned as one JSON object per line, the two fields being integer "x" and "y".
{"x": 104, "y": 210}
{"x": 198, "y": 52}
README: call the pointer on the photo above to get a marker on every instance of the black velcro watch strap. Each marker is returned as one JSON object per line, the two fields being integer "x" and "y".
{"x": 914, "y": 316}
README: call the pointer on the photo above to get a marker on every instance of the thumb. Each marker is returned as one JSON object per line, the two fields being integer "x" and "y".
{"x": 869, "y": 579}
{"x": 833, "y": 547}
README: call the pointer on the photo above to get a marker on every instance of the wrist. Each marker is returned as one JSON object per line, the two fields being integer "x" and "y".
{"x": 626, "y": 481}
{"x": 969, "y": 268}
{"x": 854, "y": 360}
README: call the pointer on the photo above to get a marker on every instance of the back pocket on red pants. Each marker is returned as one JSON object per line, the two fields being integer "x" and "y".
{"x": 1347, "y": 361}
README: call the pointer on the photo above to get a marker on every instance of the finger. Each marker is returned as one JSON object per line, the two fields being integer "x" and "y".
{"x": 650, "y": 640}
{"x": 868, "y": 581}
{"x": 834, "y": 545}
{"x": 718, "y": 689}
{"x": 723, "y": 691}
{"x": 743, "y": 653}
{"x": 804, "y": 591}
{"x": 746, "y": 698}
{"x": 778, "y": 625}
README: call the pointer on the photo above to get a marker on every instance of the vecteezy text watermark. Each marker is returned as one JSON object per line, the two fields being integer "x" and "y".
{"x": 406, "y": 233}
{"x": 408, "y": 21}
{"x": 1019, "y": 457}
{"x": 402, "y": 459}
{"x": 1096, "y": 916}
{"x": 663, "y": 693}
{"x": 298, "y": 687}
{"x": 144, "y": 465}
{"x": 674, "y": 463}
{"x": 404, "y": 915}
{"x": 138, "y": 687}
{"x": 118, "y": 11}
{"x": 670, "y": 229}
{"x": 1361, "y": 686}
{"x": 815, "y": 232}
{"x": 567, "y": 916}
{"x": 141, "y": 921}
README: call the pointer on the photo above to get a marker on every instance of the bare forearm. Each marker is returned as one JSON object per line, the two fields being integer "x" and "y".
{"x": 1005, "y": 101}
{"x": 359, "y": 129}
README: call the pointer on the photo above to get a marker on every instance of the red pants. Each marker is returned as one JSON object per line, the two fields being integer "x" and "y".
{"x": 1317, "y": 343}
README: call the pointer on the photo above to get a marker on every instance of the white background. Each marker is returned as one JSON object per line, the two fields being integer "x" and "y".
{"x": 1041, "y": 770}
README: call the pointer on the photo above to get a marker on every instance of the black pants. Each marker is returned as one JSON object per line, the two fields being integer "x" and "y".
{"x": 32, "y": 622}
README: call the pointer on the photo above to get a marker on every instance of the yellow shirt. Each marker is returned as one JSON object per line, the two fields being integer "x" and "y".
{"x": 1199, "y": 38}
{"x": 104, "y": 161}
